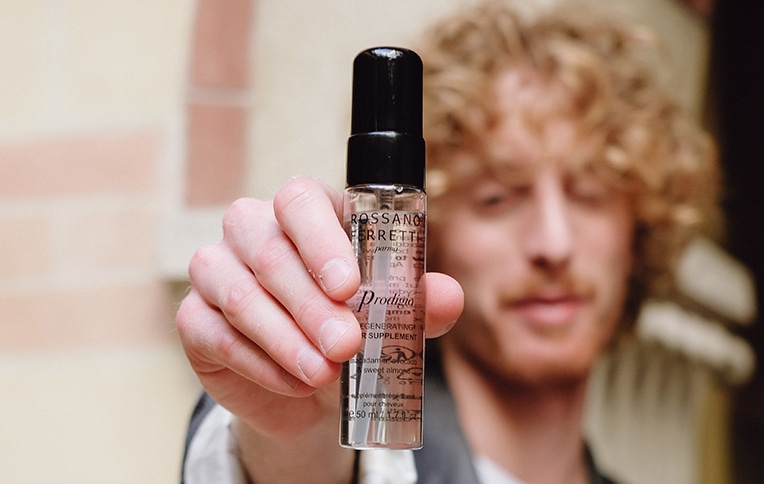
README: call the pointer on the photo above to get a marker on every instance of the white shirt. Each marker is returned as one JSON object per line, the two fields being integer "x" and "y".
{"x": 213, "y": 457}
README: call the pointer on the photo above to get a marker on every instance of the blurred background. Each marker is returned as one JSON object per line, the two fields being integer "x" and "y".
{"x": 126, "y": 128}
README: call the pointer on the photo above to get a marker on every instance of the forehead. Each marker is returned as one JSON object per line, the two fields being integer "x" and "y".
{"x": 534, "y": 120}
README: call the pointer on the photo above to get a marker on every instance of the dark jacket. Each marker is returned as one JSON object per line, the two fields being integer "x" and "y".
{"x": 445, "y": 458}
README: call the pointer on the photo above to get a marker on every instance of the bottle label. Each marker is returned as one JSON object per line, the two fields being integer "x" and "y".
{"x": 382, "y": 384}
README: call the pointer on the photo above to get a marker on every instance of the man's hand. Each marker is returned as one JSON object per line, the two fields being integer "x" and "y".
{"x": 265, "y": 325}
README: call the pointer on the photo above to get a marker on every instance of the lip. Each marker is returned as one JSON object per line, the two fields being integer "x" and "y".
{"x": 548, "y": 313}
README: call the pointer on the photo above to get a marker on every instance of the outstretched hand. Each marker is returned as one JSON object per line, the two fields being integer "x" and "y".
{"x": 265, "y": 325}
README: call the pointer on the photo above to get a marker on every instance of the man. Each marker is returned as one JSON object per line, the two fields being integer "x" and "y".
{"x": 562, "y": 183}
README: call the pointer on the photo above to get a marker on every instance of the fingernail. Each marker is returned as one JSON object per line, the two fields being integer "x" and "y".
{"x": 331, "y": 332}
{"x": 334, "y": 274}
{"x": 290, "y": 380}
{"x": 309, "y": 361}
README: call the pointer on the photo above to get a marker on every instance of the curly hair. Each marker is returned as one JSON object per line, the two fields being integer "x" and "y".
{"x": 605, "y": 68}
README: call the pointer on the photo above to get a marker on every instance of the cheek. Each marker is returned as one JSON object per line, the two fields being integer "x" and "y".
{"x": 613, "y": 256}
{"x": 621, "y": 247}
{"x": 610, "y": 260}
{"x": 470, "y": 251}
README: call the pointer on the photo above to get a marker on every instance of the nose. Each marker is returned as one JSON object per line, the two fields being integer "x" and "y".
{"x": 549, "y": 236}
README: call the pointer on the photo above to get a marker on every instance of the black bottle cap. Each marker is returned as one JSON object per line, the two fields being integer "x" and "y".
{"x": 386, "y": 144}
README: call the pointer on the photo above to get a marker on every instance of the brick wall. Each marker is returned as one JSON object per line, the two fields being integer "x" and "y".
{"x": 76, "y": 255}
{"x": 218, "y": 102}
{"x": 116, "y": 116}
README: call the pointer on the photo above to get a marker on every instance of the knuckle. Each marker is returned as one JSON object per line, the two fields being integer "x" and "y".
{"x": 193, "y": 327}
{"x": 272, "y": 255}
{"x": 202, "y": 260}
{"x": 238, "y": 298}
{"x": 227, "y": 345}
{"x": 295, "y": 195}
{"x": 237, "y": 211}
{"x": 239, "y": 216}
{"x": 310, "y": 307}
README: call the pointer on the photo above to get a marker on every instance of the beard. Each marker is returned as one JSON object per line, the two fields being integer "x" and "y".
{"x": 532, "y": 359}
{"x": 543, "y": 284}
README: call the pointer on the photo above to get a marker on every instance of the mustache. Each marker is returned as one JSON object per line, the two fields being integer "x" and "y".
{"x": 543, "y": 285}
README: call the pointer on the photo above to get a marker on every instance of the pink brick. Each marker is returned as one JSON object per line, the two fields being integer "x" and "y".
{"x": 221, "y": 43}
{"x": 216, "y": 154}
{"x": 25, "y": 246}
{"x": 97, "y": 163}
{"x": 86, "y": 318}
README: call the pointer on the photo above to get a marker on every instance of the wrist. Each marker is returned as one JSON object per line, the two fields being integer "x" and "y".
{"x": 308, "y": 457}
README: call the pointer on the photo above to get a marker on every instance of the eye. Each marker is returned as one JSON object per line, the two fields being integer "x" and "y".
{"x": 589, "y": 190}
{"x": 494, "y": 198}
{"x": 488, "y": 200}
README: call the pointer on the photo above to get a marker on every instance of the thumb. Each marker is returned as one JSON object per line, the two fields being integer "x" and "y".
{"x": 444, "y": 303}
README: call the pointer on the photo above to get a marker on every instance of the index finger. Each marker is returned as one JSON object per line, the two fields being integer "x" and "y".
{"x": 310, "y": 213}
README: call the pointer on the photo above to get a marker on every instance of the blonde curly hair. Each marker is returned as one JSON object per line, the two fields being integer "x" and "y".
{"x": 650, "y": 146}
